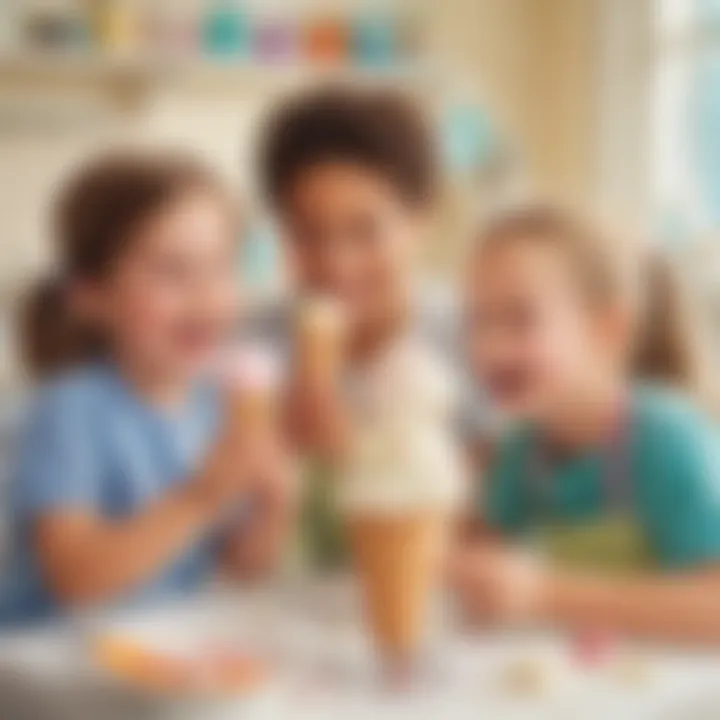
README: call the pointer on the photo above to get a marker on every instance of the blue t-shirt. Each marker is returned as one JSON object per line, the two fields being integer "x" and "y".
{"x": 672, "y": 485}
{"x": 91, "y": 443}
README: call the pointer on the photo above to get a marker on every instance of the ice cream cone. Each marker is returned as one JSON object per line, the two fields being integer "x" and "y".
{"x": 398, "y": 559}
{"x": 254, "y": 409}
{"x": 252, "y": 378}
{"x": 320, "y": 340}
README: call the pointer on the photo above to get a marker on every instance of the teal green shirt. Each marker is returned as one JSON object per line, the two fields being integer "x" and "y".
{"x": 674, "y": 472}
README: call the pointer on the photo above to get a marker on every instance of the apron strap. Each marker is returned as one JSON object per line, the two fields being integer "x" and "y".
{"x": 616, "y": 472}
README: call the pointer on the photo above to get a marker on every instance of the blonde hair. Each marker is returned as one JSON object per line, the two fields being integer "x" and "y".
{"x": 667, "y": 342}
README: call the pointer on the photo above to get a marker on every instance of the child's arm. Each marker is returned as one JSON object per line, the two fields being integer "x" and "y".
{"x": 679, "y": 607}
{"x": 89, "y": 559}
{"x": 320, "y": 421}
{"x": 256, "y": 546}
{"x": 498, "y": 584}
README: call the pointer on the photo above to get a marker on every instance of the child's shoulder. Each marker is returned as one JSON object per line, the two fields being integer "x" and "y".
{"x": 676, "y": 438}
{"x": 82, "y": 389}
{"x": 664, "y": 411}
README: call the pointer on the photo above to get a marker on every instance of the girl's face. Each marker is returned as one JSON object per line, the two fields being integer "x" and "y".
{"x": 171, "y": 299}
{"x": 353, "y": 237}
{"x": 535, "y": 342}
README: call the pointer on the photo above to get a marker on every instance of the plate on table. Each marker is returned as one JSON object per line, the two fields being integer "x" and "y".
{"x": 204, "y": 672}
{"x": 180, "y": 663}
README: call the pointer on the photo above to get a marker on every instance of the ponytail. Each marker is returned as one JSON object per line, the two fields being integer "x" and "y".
{"x": 669, "y": 347}
{"x": 51, "y": 337}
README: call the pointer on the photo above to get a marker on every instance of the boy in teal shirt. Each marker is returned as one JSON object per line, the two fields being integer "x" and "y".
{"x": 610, "y": 494}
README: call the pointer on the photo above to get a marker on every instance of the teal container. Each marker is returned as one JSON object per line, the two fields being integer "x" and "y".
{"x": 260, "y": 257}
{"x": 468, "y": 138}
{"x": 375, "y": 42}
{"x": 227, "y": 31}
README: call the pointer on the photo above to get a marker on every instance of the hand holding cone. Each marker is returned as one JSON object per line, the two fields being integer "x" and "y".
{"x": 320, "y": 339}
{"x": 252, "y": 377}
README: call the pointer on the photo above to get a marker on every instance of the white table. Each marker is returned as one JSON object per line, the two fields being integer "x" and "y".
{"x": 324, "y": 670}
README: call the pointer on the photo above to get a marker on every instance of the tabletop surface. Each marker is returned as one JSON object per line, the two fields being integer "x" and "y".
{"x": 324, "y": 668}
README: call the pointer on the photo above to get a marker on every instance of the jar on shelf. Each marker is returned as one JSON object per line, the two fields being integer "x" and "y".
{"x": 118, "y": 26}
{"x": 50, "y": 28}
{"x": 226, "y": 30}
{"x": 172, "y": 28}
{"x": 327, "y": 41}
{"x": 375, "y": 40}
{"x": 275, "y": 38}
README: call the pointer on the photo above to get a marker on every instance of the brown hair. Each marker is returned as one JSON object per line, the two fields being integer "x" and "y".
{"x": 97, "y": 214}
{"x": 379, "y": 128}
{"x": 670, "y": 347}
{"x": 667, "y": 345}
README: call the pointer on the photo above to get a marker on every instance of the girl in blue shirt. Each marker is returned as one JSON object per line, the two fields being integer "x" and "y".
{"x": 129, "y": 478}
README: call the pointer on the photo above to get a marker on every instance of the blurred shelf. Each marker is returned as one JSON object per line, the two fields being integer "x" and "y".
{"x": 32, "y": 67}
{"x": 205, "y": 73}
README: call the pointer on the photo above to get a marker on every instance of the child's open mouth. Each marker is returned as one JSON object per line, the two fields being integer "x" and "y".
{"x": 509, "y": 384}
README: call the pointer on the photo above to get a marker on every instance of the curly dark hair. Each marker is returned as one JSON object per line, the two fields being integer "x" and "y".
{"x": 380, "y": 128}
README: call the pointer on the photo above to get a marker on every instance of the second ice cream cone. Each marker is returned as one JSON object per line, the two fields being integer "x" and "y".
{"x": 320, "y": 340}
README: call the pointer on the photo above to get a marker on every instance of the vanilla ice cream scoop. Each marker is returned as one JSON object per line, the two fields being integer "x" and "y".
{"x": 405, "y": 457}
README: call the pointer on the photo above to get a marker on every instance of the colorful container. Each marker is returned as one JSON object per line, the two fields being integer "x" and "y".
{"x": 54, "y": 29}
{"x": 275, "y": 39}
{"x": 375, "y": 41}
{"x": 468, "y": 138}
{"x": 118, "y": 26}
{"x": 227, "y": 31}
{"x": 173, "y": 29}
{"x": 327, "y": 41}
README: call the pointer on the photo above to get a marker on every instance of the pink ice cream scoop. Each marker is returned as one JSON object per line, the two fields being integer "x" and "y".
{"x": 252, "y": 375}
{"x": 251, "y": 367}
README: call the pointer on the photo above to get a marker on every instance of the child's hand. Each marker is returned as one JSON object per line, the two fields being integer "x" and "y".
{"x": 256, "y": 547}
{"x": 318, "y": 418}
{"x": 499, "y": 585}
{"x": 233, "y": 466}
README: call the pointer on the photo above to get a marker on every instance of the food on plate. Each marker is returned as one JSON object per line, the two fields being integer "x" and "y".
{"x": 536, "y": 674}
{"x": 163, "y": 672}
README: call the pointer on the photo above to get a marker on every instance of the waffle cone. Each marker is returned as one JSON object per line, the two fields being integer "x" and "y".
{"x": 320, "y": 345}
{"x": 254, "y": 409}
{"x": 397, "y": 561}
